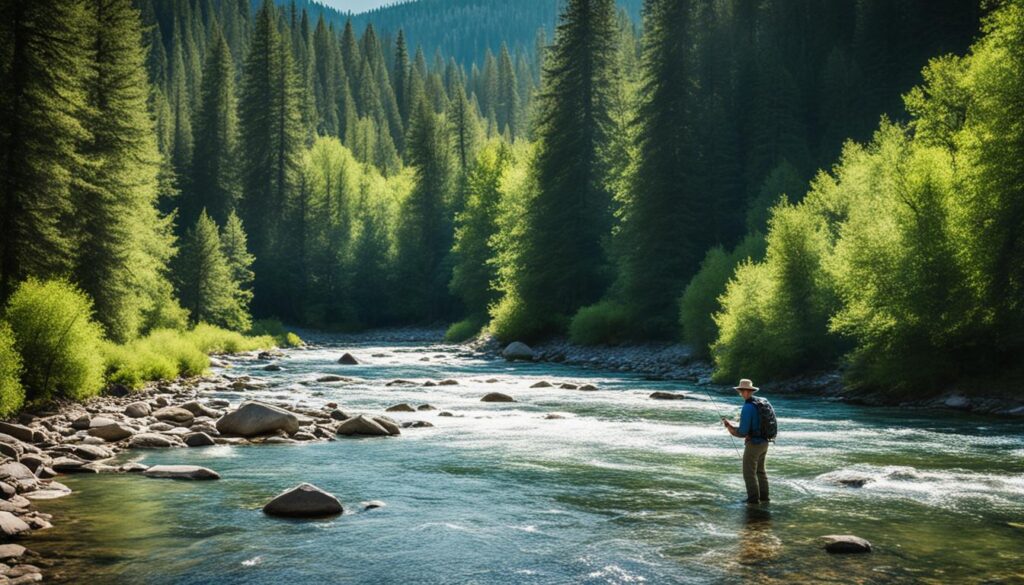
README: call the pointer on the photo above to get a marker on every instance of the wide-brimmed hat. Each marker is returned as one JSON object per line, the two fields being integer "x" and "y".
{"x": 746, "y": 384}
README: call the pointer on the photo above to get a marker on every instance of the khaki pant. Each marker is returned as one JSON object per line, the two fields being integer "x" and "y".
{"x": 754, "y": 474}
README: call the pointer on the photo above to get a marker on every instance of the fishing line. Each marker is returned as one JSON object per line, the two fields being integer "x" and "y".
{"x": 720, "y": 417}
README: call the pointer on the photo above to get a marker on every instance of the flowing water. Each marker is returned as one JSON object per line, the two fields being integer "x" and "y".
{"x": 624, "y": 489}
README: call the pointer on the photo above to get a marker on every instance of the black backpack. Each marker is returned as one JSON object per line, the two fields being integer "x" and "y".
{"x": 769, "y": 423}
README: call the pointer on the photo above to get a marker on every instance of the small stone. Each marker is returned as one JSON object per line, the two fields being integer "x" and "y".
{"x": 429, "y": 384}
{"x": 339, "y": 415}
{"x": 588, "y": 388}
{"x": 445, "y": 413}
{"x": 348, "y": 360}
{"x": 181, "y": 472}
{"x": 541, "y": 384}
{"x": 401, "y": 383}
{"x": 846, "y": 544}
{"x": 332, "y": 378}
{"x": 11, "y": 551}
{"x": 448, "y": 383}
{"x": 389, "y": 425}
{"x": 403, "y": 407}
{"x": 568, "y": 386}
{"x": 373, "y": 505}
{"x": 423, "y": 407}
{"x": 361, "y": 425}
{"x": 517, "y": 351}
{"x": 272, "y": 368}
{"x": 497, "y": 397}
{"x": 138, "y": 409}
{"x": 553, "y": 416}
{"x": 199, "y": 440}
{"x": 667, "y": 395}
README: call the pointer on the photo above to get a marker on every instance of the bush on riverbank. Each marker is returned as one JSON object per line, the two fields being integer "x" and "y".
{"x": 604, "y": 322}
{"x": 12, "y": 395}
{"x": 463, "y": 330}
{"x": 57, "y": 338}
{"x": 276, "y": 329}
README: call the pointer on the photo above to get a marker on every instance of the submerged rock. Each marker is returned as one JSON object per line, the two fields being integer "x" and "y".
{"x": 373, "y": 505}
{"x": 389, "y": 425}
{"x": 517, "y": 350}
{"x": 846, "y": 544}
{"x": 588, "y": 388}
{"x": 348, "y": 360}
{"x": 497, "y": 397}
{"x": 403, "y": 407}
{"x": 192, "y": 472}
{"x": 568, "y": 386}
{"x": 256, "y": 418}
{"x": 448, "y": 383}
{"x": 541, "y": 384}
{"x": 199, "y": 440}
{"x": 304, "y": 501}
{"x": 659, "y": 395}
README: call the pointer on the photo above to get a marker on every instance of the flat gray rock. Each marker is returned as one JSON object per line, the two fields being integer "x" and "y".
{"x": 304, "y": 501}
{"x": 151, "y": 441}
{"x": 11, "y": 525}
{"x": 112, "y": 432}
{"x": 193, "y": 472}
{"x": 174, "y": 414}
{"x": 659, "y": 395}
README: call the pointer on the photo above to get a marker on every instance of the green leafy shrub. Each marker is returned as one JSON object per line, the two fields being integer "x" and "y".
{"x": 185, "y": 350}
{"x": 57, "y": 338}
{"x": 700, "y": 300}
{"x": 604, "y": 322}
{"x": 12, "y": 395}
{"x": 211, "y": 339}
{"x": 510, "y": 320}
{"x": 137, "y": 362}
{"x": 463, "y": 330}
{"x": 276, "y": 329}
{"x": 774, "y": 318}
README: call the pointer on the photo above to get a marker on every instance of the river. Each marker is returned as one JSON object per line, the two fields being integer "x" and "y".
{"x": 624, "y": 489}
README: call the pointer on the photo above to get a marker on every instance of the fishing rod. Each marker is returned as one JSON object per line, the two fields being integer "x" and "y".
{"x": 714, "y": 404}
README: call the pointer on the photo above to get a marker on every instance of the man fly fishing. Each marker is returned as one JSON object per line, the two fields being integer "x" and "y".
{"x": 758, "y": 427}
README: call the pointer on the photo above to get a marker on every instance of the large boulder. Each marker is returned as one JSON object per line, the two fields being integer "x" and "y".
{"x": 112, "y": 432}
{"x": 181, "y": 472}
{"x": 845, "y": 544}
{"x": 348, "y": 360}
{"x": 152, "y": 441}
{"x": 21, "y": 432}
{"x": 174, "y": 414}
{"x": 256, "y": 418}
{"x": 198, "y": 409}
{"x": 389, "y": 425}
{"x": 138, "y": 409}
{"x": 517, "y": 350}
{"x": 304, "y": 501}
{"x": 11, "y": 525}
{"x": 497, "y": 397}
{"x": 362, "y": 425}
{"x": 18, "y": 475}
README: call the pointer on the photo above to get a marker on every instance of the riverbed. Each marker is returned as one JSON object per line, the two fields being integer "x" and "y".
{"x": 622, "y": 489}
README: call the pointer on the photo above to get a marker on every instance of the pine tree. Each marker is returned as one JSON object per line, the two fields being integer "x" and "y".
{"x": 507, "y": 107}
{"x": 563, "y": 253}
{"x": 182, "y": 148}
{"x": 271, "y": 143}
{"x": 424, "y": 233}
{"x": 205, "y": 283}
{"x": 215, "y": 181}
{"x": 401, "y": 76}
{"x": 42, "y": 92}
{"x": 234, "y": 245}
{"x": 328, "y": 76}
{"x": 114, "y": 203}
{"x": 665, "y": 217}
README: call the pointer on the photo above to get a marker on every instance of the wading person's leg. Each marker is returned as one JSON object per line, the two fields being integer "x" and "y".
{"x": 751, "y": 456}
{"x": 762, "y": 474}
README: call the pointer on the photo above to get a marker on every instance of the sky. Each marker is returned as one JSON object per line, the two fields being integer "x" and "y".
{"x": 356, "y": 5}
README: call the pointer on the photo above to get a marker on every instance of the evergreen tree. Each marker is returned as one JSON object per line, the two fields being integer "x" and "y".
{"x": 425, "y": 233}
{"x": 328, "y": 76}
{"x": 271, "y": 143}
{"x": 401, "y": 76}
{"x": 205, "y": 283}
{"x": 215, "y": 182}
{"x": 234, "y": 244}
{"x": 181, "y": 109}
{"x": 665, "y": 227}
{"x": 42, "y": 93}
{"x": 563, "y": 256}
{"x": 507, "y": 107}
{"x": 115, "y": 199}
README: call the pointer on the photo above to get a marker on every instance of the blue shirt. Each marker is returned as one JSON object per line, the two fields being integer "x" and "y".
{"x": 750, "y": 422}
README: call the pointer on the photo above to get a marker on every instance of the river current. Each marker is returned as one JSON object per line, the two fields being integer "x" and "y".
{"x": 623, "y": 489}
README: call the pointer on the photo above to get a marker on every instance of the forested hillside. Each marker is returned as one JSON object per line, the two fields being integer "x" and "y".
{"x": 195, "y": 160}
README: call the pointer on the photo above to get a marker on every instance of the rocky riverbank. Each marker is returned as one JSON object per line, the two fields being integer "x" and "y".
{"x": 676, "y": 361}
{"x": 87, "y": 437}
